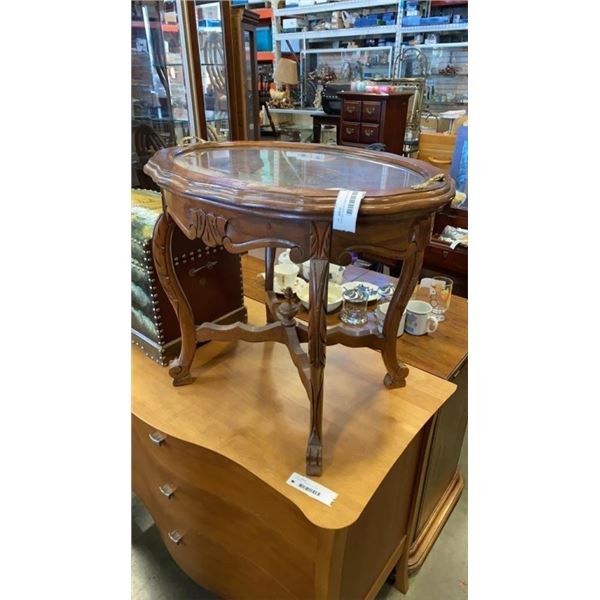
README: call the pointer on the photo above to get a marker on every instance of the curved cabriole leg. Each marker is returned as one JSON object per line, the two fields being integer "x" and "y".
{"x": 317, "y": 343}
{"x": 179, "y": 368}
{"x": 397, "y": 371}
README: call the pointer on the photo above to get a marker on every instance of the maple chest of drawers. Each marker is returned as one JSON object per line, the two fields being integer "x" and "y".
{"x": 374, "y": 118}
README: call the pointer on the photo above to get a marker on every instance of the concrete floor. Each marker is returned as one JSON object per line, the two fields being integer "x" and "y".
{"x": 443, "y": 576}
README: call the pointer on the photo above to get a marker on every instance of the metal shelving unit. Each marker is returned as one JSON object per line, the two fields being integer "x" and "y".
{"x": 331, "y": 6}
{"x": 307, "y": 36}
{"x": 304, "y": 39}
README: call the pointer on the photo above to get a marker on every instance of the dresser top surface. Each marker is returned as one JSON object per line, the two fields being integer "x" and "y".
{"x": 248, "y": 405}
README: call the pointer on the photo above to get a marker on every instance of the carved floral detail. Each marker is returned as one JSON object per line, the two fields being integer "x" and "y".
{"x": 210, "y": 228}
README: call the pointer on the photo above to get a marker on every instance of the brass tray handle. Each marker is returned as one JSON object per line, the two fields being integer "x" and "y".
{"x": 188, "y": 139}
{"x": 428, "y": 182}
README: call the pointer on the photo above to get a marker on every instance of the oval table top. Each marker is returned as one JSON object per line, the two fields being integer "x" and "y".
{"x": 296, "y": 177}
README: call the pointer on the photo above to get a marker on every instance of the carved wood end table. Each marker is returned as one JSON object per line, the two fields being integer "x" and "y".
{"x": 244, "y": 195}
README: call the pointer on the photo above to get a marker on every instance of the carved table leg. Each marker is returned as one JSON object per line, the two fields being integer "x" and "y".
{"x": 317, "y": 341}
{"x": 397, "y": 371}
{"x": 269, "y": 267}
{"x": 161, "y": 248}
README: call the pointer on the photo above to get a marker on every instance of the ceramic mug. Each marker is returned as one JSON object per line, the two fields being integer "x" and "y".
{"x": 380, "y": 313}
{"x": 419, "y": 318}
{"x": 285, "y": 275}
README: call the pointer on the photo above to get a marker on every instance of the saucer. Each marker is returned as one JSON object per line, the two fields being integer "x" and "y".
{"x": 370, "y": 288}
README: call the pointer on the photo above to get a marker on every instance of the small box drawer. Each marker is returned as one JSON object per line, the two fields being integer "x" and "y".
{"x": 371, "y": 112}
{"x": 442, "y": 258}
{"x": 351, "y": 110}
{"x": 369, "y": 133}
{"x": 350, "y": 132}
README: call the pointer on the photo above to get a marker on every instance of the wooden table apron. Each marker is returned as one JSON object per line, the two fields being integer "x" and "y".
{"x": 242, "y": 225}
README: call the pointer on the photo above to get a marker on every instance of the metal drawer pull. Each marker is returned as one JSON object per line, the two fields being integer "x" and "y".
{"x": 370, "y": 110}
{"x": 369, "y": 132}
{"x": 350, "y": 109}
{"x": 166, "y": 490}
{"x": 157, "y": 437}
{"x": 349, "y": 130}
{"x": 175, "y": 536}
{"x": 208, "y": 265}
{"x": 428, "y": 182}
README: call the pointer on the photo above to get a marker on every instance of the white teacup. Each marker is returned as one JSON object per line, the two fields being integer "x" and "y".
{"x": 380, "y": 313}
{"x": 419, "y": 318}
{"x": 285, "y": 275}
{"x": 336, "y": 272}
{"x": 284, "y": 258}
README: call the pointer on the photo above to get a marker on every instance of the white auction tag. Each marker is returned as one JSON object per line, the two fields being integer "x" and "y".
{"x": 312, "y": 488}
{"x": 346, "y": 210}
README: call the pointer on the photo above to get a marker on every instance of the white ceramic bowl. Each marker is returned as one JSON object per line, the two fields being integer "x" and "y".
{"x": 334, "y": 296}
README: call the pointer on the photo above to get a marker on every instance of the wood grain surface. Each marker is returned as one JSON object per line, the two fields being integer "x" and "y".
{"x": 441, "y": 353}
{"x": 248, "y": 404}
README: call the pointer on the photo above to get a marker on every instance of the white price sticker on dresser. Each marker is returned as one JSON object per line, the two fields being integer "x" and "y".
{"x": 312, "y": 488}
{"x": 346, "y": 210}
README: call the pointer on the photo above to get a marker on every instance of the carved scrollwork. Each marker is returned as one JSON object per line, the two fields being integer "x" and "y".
{"x": 317, "y": 318}
{"x": 210, "y": 228}
{"x": 320, "y": 240}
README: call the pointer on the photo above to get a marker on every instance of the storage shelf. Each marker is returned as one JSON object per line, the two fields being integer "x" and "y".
{"x": 441, "y": 46}
{"x": 435, "y": 28}
{"x": 442, "y": 75}
{"x": 262, "y": 56}
{"x": 336, "y": 33}
{"x": 155, "y": 25}
{"x": 331, "y": 6}
{"x": 296, "y": 111}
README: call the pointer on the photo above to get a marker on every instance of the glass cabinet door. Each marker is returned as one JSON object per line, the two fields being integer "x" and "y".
{"x": 250, "y": 90}
{"x": 159, "y": 111}
{"x": 213, "y": 65}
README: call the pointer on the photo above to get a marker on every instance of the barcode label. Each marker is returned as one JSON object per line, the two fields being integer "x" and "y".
{"x": 312, "y": 488}
{"x": 346, "y": 208}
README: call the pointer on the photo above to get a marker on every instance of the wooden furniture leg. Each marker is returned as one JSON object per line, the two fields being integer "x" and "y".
{"x": 317, "y": 340}
{"x": 317, "y": 344}
{"x": 397, "y": 371}
{"x": 269, "y": 270}
{"x": 179, "y": 368}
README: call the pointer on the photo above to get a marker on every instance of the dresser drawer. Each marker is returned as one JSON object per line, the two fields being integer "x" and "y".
{"x": 371, "y": 112}
{"x": 351, "y": 110}
{"x": 201, "y": 496}
{"x": 369, "y": 133}
{"x": 350, "y": 132}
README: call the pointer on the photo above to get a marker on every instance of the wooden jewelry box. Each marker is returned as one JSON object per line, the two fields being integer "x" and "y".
{"x": 210, "y": 277}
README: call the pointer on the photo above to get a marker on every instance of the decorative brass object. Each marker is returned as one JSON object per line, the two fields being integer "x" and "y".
{"x": 425, "y": 184}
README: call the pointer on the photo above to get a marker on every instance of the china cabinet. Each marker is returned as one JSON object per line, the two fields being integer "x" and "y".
{"x": 246, "y": 195}
{"x": 188, "y": 59}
